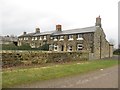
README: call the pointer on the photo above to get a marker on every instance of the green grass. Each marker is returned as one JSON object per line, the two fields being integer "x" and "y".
{"x": 31, "y": 75}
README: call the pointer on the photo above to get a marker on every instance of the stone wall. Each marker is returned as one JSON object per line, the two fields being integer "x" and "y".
{"x": 102, "y": 48}
{"x": 16, "y": 58}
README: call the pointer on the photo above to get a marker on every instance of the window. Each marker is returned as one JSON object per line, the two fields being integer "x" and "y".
{"x": 55, "y": 38}
{"x": 70, "y": 37}
{"x": 55, "y": 47}
{"x": 32, "y": 45}
{"x": 69, "y": 48}
{"x": 51, "y": 37}
{"x": 61, "y": 38}
{"x": 25, "y": 38}
{"x": 20, "y": 39}
{"x": 44, "y": 37}
{"x": 79, "y": 47}
{"x": 79, "y": 37}
{"x": 32, "y": 38}
{"x": 51, "y": 47}
{"x": 40, "y": 38}
{"x": 35, "y": 38}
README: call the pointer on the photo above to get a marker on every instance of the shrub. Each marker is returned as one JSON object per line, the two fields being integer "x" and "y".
{"x": 44, "y": 47}
{"x": 24, "y": 47}
{"x": 117, "y": 52}
{"x": 9, "y": 47}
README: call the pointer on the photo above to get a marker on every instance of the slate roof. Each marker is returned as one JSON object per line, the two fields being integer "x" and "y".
{"x": 26, "y": 35}
{"x": 78, "y": 30}
{"x": 64, "y": 32}
{"x": 44, "y": 33}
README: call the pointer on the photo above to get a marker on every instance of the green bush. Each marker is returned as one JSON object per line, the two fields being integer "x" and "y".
{"x": 44, "y": 47}
{"x": 9, "y": 47}
{"x": 24, "y": 47}
{"x": 117, "y": 52}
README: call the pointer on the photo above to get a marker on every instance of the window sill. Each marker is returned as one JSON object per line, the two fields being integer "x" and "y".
{"x": 79, "y": 38}
{"x": 55, "y": 39}
{"x": 70, "y": 39}
{"x": 61, "y": 39}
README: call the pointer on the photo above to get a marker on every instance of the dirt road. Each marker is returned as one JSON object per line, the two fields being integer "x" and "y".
{"x": 102, "y": 78}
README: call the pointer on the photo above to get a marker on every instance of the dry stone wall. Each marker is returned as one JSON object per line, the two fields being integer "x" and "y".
{"x": 16, "y": 58}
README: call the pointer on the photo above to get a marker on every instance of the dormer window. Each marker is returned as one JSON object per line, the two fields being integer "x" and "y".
{"x": 70, "y": 37}
{"x": 61, "y": 38}
{"x": 80, "y": 37}
{"x": 44, "y": 37}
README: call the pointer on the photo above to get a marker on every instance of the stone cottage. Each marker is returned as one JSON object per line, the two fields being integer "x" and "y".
{"x": 91, "y": 39}
{"x": 8, "y": 40}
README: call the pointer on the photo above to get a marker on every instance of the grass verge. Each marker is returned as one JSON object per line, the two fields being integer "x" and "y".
{"x": 30, "y": 75}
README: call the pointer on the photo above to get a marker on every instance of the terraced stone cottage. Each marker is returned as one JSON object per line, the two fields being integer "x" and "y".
{"x": 91, "y": 39}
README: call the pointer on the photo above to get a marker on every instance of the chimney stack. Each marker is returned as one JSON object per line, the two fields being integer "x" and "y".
{"x": 37, "y": 30}
{"x": 58, "y": 27}
{"x": 24, "y": 33}
{"x": 98, "y": 21}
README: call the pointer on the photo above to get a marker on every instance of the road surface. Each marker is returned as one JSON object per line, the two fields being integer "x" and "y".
{"x": 102, "y": 78}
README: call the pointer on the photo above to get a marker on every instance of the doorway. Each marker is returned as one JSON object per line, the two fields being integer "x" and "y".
{"x": 62, "y": 48}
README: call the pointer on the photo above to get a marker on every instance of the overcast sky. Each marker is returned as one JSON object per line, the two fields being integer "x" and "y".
{"x": 25, "y": 15}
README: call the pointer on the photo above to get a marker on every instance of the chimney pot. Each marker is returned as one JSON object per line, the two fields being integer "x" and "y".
{"x": 37, "y": 30}
{"x": 24, "y": 33}
{"x": 58, "y": 27}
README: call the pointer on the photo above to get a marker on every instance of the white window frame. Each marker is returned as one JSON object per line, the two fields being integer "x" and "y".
{"x": 35, "y": 38}
{"x": 78, "y": 46}
{"x": 55, "y": 47}
{"x": 55, "y": 38}
{"x": 32, "y": 45}
{"x": 20, "y": 39}
{"x": 61, "y": 38}
{"x": 25, "y": 38}
{"x": 51, "y": 38}
{"x": 70, "y": 48}
{"x": 40, "y": 38}
{"x": 70, "y": 37}
{"x": 80, "y": 37}
{"x": 44, "y": 37}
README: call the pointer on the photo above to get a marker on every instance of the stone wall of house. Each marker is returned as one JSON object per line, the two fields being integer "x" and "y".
{"x": 16, "y": 58}
{"x": 102, "y": 47}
